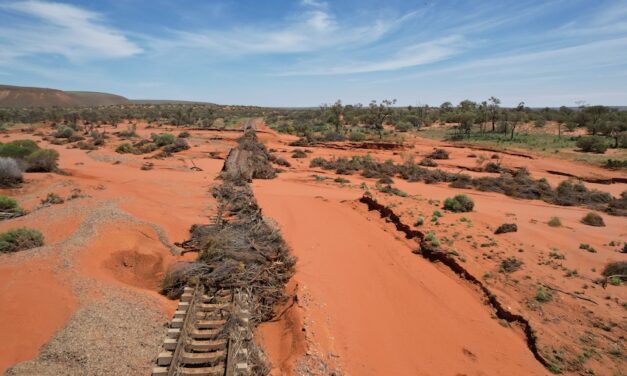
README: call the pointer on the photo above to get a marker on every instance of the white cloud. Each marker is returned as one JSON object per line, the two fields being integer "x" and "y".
{"x": 61, "y": 29}
{"x": 311, "y": 30}
{"x": 411, "y": 56}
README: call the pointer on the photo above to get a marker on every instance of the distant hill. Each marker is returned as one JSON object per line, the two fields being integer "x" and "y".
{"x": 166, "y": 101}
{"x": 18, "y": 96}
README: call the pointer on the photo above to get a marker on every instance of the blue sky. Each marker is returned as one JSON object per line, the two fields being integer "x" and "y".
{"x": 308, "y": 52}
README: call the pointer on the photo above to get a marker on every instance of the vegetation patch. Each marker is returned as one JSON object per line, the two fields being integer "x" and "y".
{"x": 20, "y": 239}
{"x": 9, "y": 208}
{"x": 459, "y": 204}
{"x": 593, "y": 219}
{"x": 510, "y": 265}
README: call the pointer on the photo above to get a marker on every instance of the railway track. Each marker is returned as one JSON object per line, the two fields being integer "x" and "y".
{"x": 208, "y": 335}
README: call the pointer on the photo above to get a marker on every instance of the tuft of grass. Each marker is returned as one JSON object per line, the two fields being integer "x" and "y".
{"x": 587, "y": 247}
{"x": 10, "y": 206}
{"x": 20, "y": 239}
{"x": 52, "y": 199}
{"x": 554, "y": 222}
{"x": 341, "y": 180}
{"x": 593, "y": 219}
{"x": 542, "y": 295}
{"x": 420, "y": 221}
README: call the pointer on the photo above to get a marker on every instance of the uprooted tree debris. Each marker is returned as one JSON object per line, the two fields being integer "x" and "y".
{"x": 242, "y": 249}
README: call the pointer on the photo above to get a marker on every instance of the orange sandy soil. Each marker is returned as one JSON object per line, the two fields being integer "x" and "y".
{"x": 366, "y": 305}
{"x": 119, "y": 232}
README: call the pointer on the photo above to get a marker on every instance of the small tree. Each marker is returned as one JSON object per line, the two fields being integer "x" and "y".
{"x": 378, "y": 113}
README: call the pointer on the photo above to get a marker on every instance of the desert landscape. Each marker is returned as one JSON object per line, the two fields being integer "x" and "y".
{"x": 261, "y": 189}
{"x": 385, "y": 260}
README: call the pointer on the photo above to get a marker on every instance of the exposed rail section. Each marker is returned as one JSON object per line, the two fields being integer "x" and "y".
{"x": 208, "y": 335}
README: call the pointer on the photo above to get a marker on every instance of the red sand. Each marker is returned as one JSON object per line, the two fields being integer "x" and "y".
{"x": 35, "y": 304}
{"x": 379, "y": 307}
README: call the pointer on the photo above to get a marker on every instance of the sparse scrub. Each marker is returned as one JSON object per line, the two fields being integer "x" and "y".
{"x": 593, "y": 219}
{"x": 459, "y": 204}
{"x": 554, "y": 222}
{"x": 615, "y": 268}
{"x": 184, "y": 134}
{"x": 20, "y": 239}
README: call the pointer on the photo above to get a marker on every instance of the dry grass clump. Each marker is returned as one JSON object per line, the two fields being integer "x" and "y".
{"x": 506, "y": 227}
{"x": 554, "y": 222}
{"x": 9, "y": 208}
{"x": 593, "y": 219}
{"x": 510, "y": 265}
{"x": 20, "y": 239}
{"x": 438, "y": 154}
{"x": 428, "y": 162}
{"x": 52, "y": 199}
{"x": 615, "y": 268}
{"x": 299, "y": 153}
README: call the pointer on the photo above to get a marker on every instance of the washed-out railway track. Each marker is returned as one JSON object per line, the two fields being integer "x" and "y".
{"x": 208, "y": 335}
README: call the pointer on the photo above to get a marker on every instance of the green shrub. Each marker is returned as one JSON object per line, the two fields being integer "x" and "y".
{"x": 341, "y": 180}
{"x": 554, "y": 222}
{"x": 420, "y": 221}
{"x": 43, "y": 160}
{"x": 459, "y": 204}
{"x": 63, "y": 132}
{"x": 542, "y": 295}
{"x": 357, "y": 136}
{"x": 595, "y": 144}
{"x": 162, "y": 139}
{"x": 125, "y": 148}
{"x": 10, "y": 205}
{"x": 593, "y": 219}
{"x": 18, "y": 149}
{"x": 20, "y": 239}
{"x": 179, "y": 144}
{"x": 392, "y": 190}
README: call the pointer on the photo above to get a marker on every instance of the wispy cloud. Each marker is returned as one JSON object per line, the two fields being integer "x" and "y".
{"x": 411, "y": 56}
{"x": 313, "y": 29}
{"x": 61, "y": 29}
